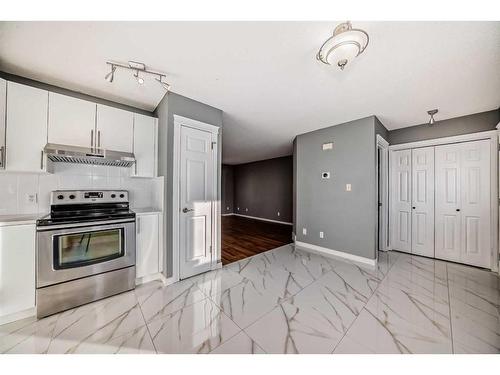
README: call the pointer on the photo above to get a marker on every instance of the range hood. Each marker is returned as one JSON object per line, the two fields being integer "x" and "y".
{"x": 84, "y": 155}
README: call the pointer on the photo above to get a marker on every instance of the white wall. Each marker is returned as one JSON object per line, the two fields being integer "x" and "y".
{"x": 14, "y": 187}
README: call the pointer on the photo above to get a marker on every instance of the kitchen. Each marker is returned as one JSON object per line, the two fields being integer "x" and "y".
{"x": 70, "y": 165}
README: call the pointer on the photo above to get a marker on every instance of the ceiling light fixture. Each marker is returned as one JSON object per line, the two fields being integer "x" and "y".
{"x": 431, "y": 113}
{"x": 139, "y": 70}
{"x": 343, "y": 46}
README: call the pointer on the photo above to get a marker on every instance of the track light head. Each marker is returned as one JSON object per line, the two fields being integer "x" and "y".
{"x": 139, "y": 79}
{"x": 165, "y": 85}
{"x": 111, "y": 75}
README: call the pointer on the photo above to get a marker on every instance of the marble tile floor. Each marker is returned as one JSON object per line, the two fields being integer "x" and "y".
{"x": 286, "y": 300}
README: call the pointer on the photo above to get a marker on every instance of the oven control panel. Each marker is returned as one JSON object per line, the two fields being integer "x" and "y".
{"x": 88, "y": 196}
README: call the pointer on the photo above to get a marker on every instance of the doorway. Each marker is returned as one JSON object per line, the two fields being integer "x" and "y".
{"x": 196, "y": 206}
{"x": 382, "y": 175}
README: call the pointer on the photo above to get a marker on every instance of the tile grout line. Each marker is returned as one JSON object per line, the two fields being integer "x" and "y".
{"x": 363, "y": 308}
{"x": 146, "y": 323}
{"x": 449, "y": 309}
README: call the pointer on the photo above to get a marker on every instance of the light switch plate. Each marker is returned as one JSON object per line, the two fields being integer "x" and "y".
{"x": 348, "y": 187}
{"x": 321, "y": 235}
{"x": 304, "y": 231}
{"x": 327, "y": 146}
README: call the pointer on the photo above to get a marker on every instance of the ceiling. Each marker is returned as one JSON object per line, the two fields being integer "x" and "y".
{"x": 264, "y": 75}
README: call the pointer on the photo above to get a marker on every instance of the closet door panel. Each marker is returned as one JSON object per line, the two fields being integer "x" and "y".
{"x": 423, "y": 201}
{"x": 475, "y": 209}
{"x": 401, "y": 200}
{"x": 448, "y": 202}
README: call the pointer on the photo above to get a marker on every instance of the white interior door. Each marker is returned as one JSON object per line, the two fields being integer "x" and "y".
{"x": 448, "y": 202}
{"x": 197, "y": 174}
{"x": 401, "y": 200}
{"x": 475, "y": 208}
{"x": 422, "y": 221}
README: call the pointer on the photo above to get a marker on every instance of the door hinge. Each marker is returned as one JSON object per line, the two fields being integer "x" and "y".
{"x": 213, "y": 144}
{"x": 210, "y": 249}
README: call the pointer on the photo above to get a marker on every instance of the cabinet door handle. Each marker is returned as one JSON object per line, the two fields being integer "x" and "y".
{"x": 41, "y": 160}
{"x": 138, "y": 225}
{"x": 2, "y": 156}
{"x": 92, "y": 138}
{"x": 99, "y": 138}
{"x": 136, "y": 167}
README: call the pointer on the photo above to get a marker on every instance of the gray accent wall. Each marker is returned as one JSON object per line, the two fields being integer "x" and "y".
{"x": 264, "y": 188}
{"x": 179, "y": 105}
{"x": 348, "y": 219}
{"x": 227, "y": 189}
{"x": 474, "y": 123}
{"x": 74, "y": 94}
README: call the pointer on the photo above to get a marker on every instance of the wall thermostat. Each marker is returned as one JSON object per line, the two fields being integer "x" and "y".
{"x": 325, "y": 175}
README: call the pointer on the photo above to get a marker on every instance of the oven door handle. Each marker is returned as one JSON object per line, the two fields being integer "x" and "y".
{"x": 45, "y": 228}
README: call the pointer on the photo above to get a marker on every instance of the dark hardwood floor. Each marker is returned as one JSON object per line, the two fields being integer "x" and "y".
{"x": 242, "y": 237}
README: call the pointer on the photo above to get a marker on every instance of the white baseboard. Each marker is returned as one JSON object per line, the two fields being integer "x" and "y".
{"x": 263, "y": 219}
{"x": 148, "y": 278}
{"x": 340, "y": 254}
{"x": 231, "y": 214}
{"x": 29, "y": 313}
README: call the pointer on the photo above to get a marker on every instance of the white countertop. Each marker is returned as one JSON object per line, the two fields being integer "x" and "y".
{"x": 20, "y": 219}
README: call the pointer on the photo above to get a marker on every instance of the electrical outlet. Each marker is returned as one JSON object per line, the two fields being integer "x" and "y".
{"x": 321, "y": 235}
{"x": 31, "y": 198}
{"x": 278, "y": 213}
{"x": 304, "y": 231}
{"x": 246, "y": 209}
{"x": 348, "y": 187}
{"x": 227, "y": 208}
{"x": 238, "y": 208}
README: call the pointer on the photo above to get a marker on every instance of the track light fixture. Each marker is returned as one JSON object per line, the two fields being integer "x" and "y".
{"x": 431, "y": 113}
{"x": 139, "y": 70}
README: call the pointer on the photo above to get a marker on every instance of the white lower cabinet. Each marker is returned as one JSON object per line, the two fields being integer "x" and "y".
{"x": 149, "y": 258}
{"x": 17, "y": 270}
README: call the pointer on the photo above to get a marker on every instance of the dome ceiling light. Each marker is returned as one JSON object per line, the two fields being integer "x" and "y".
{"x": 343, "y": 46}
{"x": 136, "y": 68}
{"x": 431, "y": 113}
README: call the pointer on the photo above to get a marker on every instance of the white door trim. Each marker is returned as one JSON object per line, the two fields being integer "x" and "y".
{"x": 184, "y": 121}
{"x": 492, "y": 135}
{"x": 384, "y": 175}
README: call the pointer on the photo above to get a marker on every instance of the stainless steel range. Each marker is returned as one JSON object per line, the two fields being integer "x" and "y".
{"x": 85, "y": 249}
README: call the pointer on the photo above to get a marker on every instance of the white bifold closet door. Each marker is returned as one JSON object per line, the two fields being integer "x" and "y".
{"x": 401, "y": 200}
{"x": 422, "y": 218}
{"x": 413, "y": 201}
{"x": 463, "y": 217}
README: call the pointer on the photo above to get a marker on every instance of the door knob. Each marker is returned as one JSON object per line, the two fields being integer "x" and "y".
{"x": 186, "y": 210}
{"x": 458, "y": 209}
{"x": 413, "y": 207}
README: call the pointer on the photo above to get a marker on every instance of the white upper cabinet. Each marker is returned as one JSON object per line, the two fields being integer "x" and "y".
{"x": 26, "y": 134}
{"x": 144, "y": 146}
{"x": 71, "y": 121}
{"x": 3, "y": 102}
{"x": 115, "y": 129}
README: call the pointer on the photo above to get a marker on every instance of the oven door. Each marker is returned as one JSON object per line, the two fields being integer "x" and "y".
{"x": 71, "y": 252}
